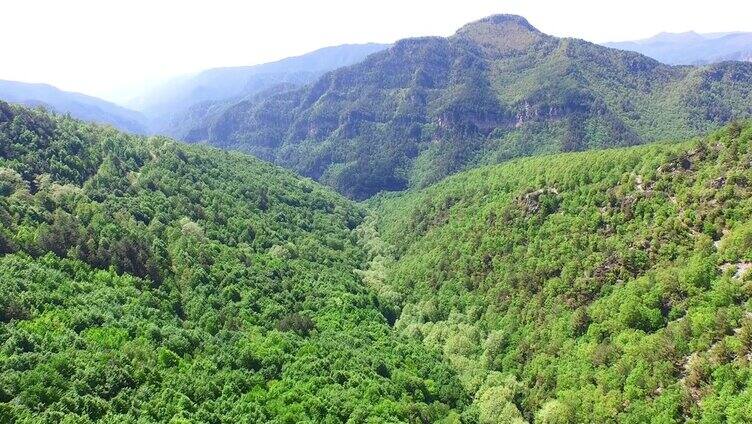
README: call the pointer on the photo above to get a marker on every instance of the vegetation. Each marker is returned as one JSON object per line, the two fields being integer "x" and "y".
{"x": 604, "y": 286}
{"x": 496, "y": 90}
{"x": 145, "y": 281}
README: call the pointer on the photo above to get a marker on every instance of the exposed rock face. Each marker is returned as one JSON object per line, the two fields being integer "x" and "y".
{"x": 544, "y": 200}
{"x": 740, "y": 269}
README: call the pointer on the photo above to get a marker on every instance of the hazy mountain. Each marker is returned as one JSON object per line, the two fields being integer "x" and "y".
{"x": 78, "y": 105}
{"x": 175, "y": 106}
{"x": 691, "y": 48}
{"x": 497, "y": 89}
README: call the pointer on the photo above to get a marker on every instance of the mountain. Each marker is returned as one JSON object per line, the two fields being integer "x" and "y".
{"x": 149, "y": 281}
{"x": 600, "y": 286}
{"x": 176, "y": 106}
{"x": 77, "y": 105}
{"x": 691, "y": 48}
{"x": 497, "y": 89}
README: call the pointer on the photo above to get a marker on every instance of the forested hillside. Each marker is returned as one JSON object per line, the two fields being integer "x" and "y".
{"x": 146, "y": 281}
{"x": 497, "y": 89}
{"x": 604, "y": 286}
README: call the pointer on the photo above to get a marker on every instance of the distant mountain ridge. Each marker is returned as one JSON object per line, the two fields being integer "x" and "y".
{"x": 497, "y": 89}
{"x": 78, "y": 105}
{"x": 692, "y": 48}
{"x": 175, "y": 106}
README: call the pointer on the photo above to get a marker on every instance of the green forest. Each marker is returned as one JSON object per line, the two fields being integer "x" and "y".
{"x": 605, "y": 286}
{"x": 322, "y": 213}
{"x": 148, "y": 281}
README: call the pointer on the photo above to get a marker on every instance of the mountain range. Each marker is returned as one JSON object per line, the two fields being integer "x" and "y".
{"x": 78, "y": 105}
{"x": 692, "y": 48}
{"x": 497, "y": 89}
{"x": 174, "y": 107}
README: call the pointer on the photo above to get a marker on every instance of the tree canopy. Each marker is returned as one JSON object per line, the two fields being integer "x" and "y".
{"x": 603, "y": 286}
{"x": 147, "y": 281}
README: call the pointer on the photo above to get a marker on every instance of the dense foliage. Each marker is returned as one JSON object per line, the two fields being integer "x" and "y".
{"x": 497, "y": 89}
{"x": 605, "y": 286}
{"x": 145, "y": 281}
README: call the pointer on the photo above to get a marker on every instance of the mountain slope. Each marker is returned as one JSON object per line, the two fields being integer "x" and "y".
{"x": 497, "y": 89}
{"x": 692, "y": 48}
{"x": 603, "y": 286}
{"x": 181, "y": 104}
{"x": 149, "y": 281}
{"x": 78, "y": 105}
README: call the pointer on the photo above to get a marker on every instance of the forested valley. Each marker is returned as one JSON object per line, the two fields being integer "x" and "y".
{"x": 149, "y": 281}
{"x": 603, "y": 286}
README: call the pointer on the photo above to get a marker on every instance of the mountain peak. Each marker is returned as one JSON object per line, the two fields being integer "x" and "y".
{"x": 504, "y": 20}
{"x": 501, "y": 33}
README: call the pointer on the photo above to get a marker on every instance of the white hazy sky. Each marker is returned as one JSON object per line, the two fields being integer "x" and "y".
{"x": 113, "y": 48}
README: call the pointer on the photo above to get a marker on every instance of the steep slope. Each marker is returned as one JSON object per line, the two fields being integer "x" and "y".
{"x": 691, "y": 48}
{"x": 77, "y": 105}
{"x": 603, "y": 286}
{"x": 180, "y": 105}
{"x": 497, "y": 89}
{"x": 149, "y": 281}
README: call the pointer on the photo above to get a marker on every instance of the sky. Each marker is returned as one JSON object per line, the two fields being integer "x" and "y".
{"x": 117, "y": 49}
